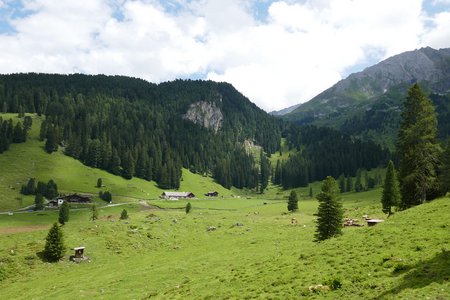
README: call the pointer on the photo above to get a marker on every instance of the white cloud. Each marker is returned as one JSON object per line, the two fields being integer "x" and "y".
{"x": 300, "y": 49}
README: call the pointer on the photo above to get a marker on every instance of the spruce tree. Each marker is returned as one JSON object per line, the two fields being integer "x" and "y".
{"x": 94, "y": 215}
{"x": 391, "y": 190}
{"x": 51, "y": 144}
{"x": 64, "y": 213}
{"x": 292, "y": 202}
{"x": 54, "y": 245}
{"x": 99, "y": 182}
{"x": 349, "y": 184}
{"x": 330, "y": 211}
{"x": 124, "y": 215}
{"x": 38, "y": 202}
{"x": 417, "y": 148}
{"x": 188, "y": 207}
{"x": 311, "y": 192}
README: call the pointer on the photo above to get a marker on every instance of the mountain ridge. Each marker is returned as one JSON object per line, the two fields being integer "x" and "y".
{"x": 378, "y": 90}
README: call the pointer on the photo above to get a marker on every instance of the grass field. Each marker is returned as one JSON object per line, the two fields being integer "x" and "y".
{"x": 254, "y": 252}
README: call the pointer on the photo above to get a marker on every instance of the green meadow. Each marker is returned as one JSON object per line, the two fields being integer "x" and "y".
{"x": 241, "y": 245}
{"x": 230, "y": 249}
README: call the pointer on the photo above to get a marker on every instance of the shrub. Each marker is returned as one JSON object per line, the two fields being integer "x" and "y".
{"x": 124, "y": 215}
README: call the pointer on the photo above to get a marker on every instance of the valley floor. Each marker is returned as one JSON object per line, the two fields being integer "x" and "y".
{"x": 231, "y": 248}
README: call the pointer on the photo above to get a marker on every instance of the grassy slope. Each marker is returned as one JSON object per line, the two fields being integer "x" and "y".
{"x": 27, "y": 160}
{"x": 170, "y": 255}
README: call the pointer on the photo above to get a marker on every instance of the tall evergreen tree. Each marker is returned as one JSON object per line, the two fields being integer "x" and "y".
{"x": 292, "y": 202}
{"x": 330, "y": 211}
{"x": 417, "y": 148}
{"x": 94, "y": 212}
{"x": 54, "y": 244}
{"x": 51, "y": 144}
{"x": 38, "y": 202}
{"x": 63, "y": 217}
{"x": 391, "y": 190}
{"x": 311, "y": 192}
{"x": 349, "y": 184}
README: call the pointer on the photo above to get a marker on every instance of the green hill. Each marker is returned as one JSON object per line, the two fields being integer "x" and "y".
{"x": 29, "y": 159}
{"x": 231, "y": 248}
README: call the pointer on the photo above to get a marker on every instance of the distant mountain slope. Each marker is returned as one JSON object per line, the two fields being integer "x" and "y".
{"x": 284, "y": 111}
{"x": 368, "y": 103}
{"x": 134, "y": 128}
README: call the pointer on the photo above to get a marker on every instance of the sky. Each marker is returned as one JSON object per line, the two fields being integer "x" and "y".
{"x": 277, "y": 53}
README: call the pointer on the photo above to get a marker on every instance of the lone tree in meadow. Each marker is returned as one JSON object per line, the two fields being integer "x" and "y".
{"x": 99, "y": 183}
{"x": 330, "y": 211}
{"x": 292, "y": 202}
{"x": 391, "y": 190}
{"x": 94, "y": 215}
{"x": 417, "y": 148}
{"x": 38, "y": 202}
{"x": 188, "y": 207}
{"x": 124, "y": 215}
{"x": 311, "y": 192}
{"x": 63, "y": 213}
{"x": 54, "y": 245}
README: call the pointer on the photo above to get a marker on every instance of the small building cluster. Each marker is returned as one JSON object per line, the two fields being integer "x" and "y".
{"x": 177, "y": 195}
{"x": 71, "y": 199}
{"x": 184, "y": 195}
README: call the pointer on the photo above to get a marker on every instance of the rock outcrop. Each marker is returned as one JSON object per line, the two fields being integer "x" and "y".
{"x": 206, "y": 114}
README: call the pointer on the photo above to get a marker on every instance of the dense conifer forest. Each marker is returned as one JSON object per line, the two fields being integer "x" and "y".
{"x": 130, "y": 127}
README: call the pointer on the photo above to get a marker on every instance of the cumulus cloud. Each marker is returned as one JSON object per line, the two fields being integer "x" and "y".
{"x": 299, "y": 49}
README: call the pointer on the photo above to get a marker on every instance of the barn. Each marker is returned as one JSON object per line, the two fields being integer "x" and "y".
{"x": 177, "y": 195}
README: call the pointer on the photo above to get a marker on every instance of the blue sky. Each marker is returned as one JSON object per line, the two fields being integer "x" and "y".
{"x": 277, "y": 53}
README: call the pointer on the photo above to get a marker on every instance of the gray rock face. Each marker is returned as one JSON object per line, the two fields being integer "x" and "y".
{"x": 206, "y": 114}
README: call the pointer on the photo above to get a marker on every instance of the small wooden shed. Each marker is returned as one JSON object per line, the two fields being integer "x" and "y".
{"x": 79, "y": 252}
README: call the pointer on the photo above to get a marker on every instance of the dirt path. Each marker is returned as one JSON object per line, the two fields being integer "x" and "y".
{"x": 20, "y": 229}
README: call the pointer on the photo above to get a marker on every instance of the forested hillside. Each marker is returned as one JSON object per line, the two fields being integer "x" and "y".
{"x": 133, "y": 128}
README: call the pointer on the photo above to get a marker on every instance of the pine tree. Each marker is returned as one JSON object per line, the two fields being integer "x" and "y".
{"x": 311, "y": 192}
{"x": 52, "y": 190}
{"x": 330, "y": 211}
{"x": 64, "y": 213}
{"x": 349, "y": 184}
{"x": 54, "y": 246}
{"x": 417, "y": 148}
{"x": 391, "y": 190}
{"x": 99, "y": 183}
{"x": 292, "y": 202}
{"x": 51, "y": 144}
{"x": 188, "y": 207}
{"x": 38, "y": 202}
{"x": 124, "y": 215}
{"x": 94, "y": 215}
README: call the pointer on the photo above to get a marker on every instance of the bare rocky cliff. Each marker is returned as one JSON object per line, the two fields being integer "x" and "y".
{"x": 206, "y": 114}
